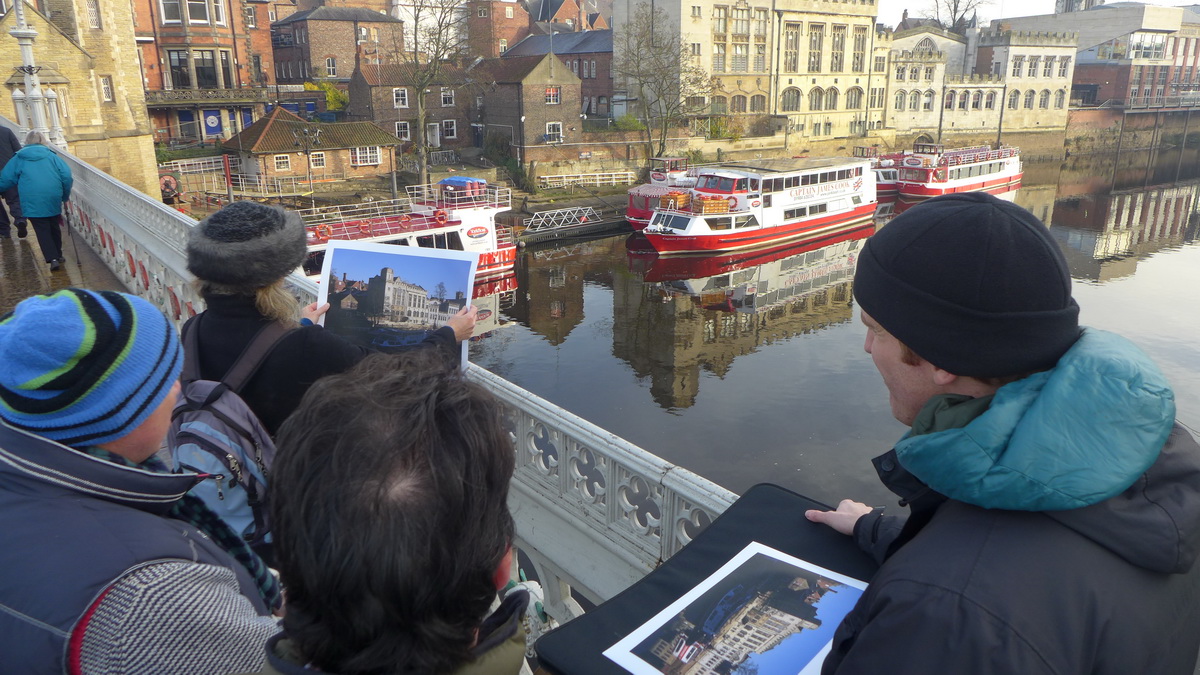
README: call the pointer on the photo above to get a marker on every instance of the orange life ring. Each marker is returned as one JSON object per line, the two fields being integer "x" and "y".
{"x": 732, "y": 202}
{"x": 440, "y": 217}
{"x": 322, "y": 232}
{"x": 365, "y": 227}
{"x": 405, "y": 219}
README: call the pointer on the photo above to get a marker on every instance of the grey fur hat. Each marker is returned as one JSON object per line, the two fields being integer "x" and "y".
{"x": 247, "y": 245}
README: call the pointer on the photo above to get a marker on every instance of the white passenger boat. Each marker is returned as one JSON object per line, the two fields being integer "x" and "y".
{"x": 457, "y": 213}
{"x": 757, "y": 203}
{"x": 931, "y": 170}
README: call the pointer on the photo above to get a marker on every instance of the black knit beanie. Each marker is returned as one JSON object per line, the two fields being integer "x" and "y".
{"x": 247, "y": 245}
{"x": 971, "y": 283}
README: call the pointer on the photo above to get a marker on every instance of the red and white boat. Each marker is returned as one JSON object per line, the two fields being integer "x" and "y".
{"x": 758, "y": 203}
{"x": 667, "y": 174}
{"x": 886, "y": 168}
{"x": 457, "y": 214}
{"x": 931, "y": 170}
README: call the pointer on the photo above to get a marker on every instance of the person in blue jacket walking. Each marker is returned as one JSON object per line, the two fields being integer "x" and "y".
{"x": 43, "y": 182}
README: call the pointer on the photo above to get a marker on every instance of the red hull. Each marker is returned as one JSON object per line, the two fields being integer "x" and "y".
{"x": 667, "y": 244}
{"x": 674, "y": 268}
{"x": 927, "y": 190}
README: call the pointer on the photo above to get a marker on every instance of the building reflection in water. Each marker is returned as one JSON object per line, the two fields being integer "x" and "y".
{"x": 676, "y": 317}
{"x": 1104, "y": 235}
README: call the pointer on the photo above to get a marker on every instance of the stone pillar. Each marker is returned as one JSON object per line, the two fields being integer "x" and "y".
{"x": 56, "y": 130}
{"x": 25, "y": 34}
{"x": 22, "y": 107}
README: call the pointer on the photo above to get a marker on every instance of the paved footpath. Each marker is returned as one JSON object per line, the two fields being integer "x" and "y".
{"x": 22, "y": 272}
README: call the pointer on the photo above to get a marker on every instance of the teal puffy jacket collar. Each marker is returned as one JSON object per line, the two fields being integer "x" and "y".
{"x": 1065, "y": 438}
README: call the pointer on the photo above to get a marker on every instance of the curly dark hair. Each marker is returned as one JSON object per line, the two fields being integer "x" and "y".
{"x": 389, "y": 499}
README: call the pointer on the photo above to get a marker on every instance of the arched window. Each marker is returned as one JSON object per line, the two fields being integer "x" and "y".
{"x": 901, "y": 97}
{"x": 1014, "y": 100}
{"x": 758, "y": 103}
{"x": 831, "y": 99}
{"x": 964, "y": 100}
{"x": 990, "y": 101}
{"x": 854, "y": 99}
{"x": 914, "y": 100}
{"x": 816, "y": 99}
{"x": 719, "y": 105}
{"x": 738, "y": 104}
{"x": 925, "y": 45}
{"x": 950, "y": 100}
{"x": 1029, "y": 95}
{"x": 977, "y": 100}
{"x": 1044, "y": 99}
{"x": 789, "y": 100}
{"x": 927, "y": 104}
{"x": 1060, "y": 98}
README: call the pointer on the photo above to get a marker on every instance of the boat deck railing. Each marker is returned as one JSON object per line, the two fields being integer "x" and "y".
{"x": 439, "y": 196}
{"x": 972, "y": 155}
{"x": 593, "y": 512}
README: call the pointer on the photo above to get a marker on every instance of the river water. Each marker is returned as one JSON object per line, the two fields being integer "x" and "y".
{"x": 754, "y": 374}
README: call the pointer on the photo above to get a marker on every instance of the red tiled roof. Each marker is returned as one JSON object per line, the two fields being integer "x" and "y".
{"x": 273, "y": 133}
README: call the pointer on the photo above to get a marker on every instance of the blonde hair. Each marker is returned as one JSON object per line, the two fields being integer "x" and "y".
{"x": 36, "y": 137}
{"x": 273, "y": 301}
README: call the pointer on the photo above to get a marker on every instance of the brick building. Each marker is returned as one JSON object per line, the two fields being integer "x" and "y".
{"x": 529, "y": 101}
{"x": 493, "y": 26}
{"x": 205, "y": 77}
{"x": 327, "y": 42}
{"x": 588, "y": 54}
{"x": 89, "y": 64}
{"x": 283, "y": 145}
{"x": 385, "y": 96}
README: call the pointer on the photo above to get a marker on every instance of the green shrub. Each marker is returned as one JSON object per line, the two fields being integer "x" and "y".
{"x": 628, "y": 122}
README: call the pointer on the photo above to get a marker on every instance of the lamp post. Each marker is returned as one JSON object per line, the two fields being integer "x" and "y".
{"x": 309, "y": 138}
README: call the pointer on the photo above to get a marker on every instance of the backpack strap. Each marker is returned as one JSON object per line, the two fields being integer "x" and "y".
{"x": 254, "y": 355}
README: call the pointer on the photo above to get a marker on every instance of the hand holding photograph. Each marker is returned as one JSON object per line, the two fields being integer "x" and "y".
{"x": 388, "y": 297}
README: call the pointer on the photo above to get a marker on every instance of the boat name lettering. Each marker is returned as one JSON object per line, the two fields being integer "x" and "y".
{"x": 819, "y": 189}
{"x": 658, "y": 175}
{"x": 477, "y": 232}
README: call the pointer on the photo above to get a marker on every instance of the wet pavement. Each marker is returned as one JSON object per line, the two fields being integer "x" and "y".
{"x": 23, "y": 273}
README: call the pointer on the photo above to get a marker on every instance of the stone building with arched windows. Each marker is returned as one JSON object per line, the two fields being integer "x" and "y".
{"x": 976, "y": 87}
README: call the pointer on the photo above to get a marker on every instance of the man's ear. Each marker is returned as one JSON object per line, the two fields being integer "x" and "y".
{"x": 943, "y": 378}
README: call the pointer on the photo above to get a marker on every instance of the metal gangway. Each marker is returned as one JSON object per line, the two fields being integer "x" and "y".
{"x": 594, "y": 513}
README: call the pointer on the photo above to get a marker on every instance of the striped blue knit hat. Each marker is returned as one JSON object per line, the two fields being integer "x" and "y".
{"x": 84, "y": 367}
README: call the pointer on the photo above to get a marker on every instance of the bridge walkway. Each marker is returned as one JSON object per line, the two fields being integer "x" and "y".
{"x": 23, "y": 273}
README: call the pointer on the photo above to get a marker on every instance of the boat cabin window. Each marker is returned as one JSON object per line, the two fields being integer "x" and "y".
{"x": 745, "y": 221}
{"x": 721, "y": 183}
{"x": 443, "y": 240}
{"x": 803, "y": 211}
{"x": 313, "y": 262}
{"x": 915, "y": 175}
{"x": 672, "y": 221}
{"x": 399, "y": 242}
{"x": 723, "y": 223}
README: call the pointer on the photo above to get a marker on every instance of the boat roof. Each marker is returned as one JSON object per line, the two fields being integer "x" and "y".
{"x": 769, "y": 166}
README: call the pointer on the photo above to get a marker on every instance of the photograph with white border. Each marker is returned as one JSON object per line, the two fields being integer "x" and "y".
{"x": 763, "y": 612}
{"x": 389, "y": 297}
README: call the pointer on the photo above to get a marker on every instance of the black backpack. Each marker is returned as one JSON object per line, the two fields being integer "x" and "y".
{"x": 215, "y": 434}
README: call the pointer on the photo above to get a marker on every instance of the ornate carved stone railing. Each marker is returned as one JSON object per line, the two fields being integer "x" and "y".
{"x": 244, "y": 95}
{"x": 593, "y": 512}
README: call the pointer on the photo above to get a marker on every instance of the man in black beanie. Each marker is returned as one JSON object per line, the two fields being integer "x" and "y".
{"x": 1054, "y": 502}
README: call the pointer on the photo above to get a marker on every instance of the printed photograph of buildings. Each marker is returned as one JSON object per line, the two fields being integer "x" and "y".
{"x": 767, "y": 617}
{"x": 386, "y": 300}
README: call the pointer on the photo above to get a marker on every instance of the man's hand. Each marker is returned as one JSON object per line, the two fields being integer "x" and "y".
{"x": 463, "y": 323}
{"x": 843, "y": 519}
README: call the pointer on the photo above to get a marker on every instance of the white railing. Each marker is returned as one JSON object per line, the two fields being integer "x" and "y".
{"x": 593, "y": 512}
{"x": 201, "y": 165}
{"x": 592, "y": 179}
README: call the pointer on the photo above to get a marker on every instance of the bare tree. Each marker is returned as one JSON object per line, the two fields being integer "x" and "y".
{"x": 437, "y": 39}
{"x": 954, "y": 15}
{"x": 667, "y": 82}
